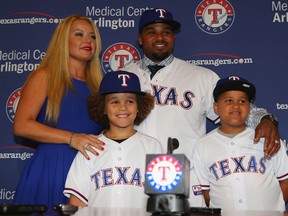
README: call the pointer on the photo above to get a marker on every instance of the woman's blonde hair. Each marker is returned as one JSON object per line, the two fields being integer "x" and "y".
{"x": 56, "y": 62}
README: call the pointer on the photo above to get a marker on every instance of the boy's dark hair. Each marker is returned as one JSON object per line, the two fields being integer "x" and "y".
{"x": 96, "y": 106}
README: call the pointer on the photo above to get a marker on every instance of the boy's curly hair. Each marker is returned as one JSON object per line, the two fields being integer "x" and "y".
{"x": 96, "y": 107}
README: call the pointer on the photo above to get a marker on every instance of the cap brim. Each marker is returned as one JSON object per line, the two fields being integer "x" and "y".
{"x": 174, "y": 24}
{"x": 114, "y": 92}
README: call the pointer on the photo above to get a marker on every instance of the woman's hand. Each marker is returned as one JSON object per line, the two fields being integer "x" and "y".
{"x": 84, "y": 142}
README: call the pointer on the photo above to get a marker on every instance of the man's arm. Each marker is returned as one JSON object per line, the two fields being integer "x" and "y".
{"x": 265, "y": 125}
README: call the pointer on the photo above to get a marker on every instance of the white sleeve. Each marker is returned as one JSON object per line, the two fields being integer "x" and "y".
{"x": 280, "y": 163}
{"x": 78, "y": 178}
{"x": 210, "y": 83}
{"x": 255, "y": 116}
{"x": 199, "y": 166}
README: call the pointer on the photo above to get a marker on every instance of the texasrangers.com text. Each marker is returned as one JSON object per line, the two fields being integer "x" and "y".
{"x": 22, "y": 156}
{"x": 32, "y": 20}
{"x": 218, "y": 62}
{"x": 281, "y": 106}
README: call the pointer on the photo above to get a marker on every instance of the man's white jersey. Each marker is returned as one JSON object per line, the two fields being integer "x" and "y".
{"x": 183, "y": 99}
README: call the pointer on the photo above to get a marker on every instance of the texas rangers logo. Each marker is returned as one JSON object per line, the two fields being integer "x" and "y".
{"x": 124, "y": 78}
{"x": 12, "y": 103}
{"x": 234, "y": 78}
{"x": 118, "y": 56}
{"x": 164, "y": 173}
{"x": 214, "y": 17}
{"x": 197, "y": 190}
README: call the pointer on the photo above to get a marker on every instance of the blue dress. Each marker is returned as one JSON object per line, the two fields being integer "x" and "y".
{"x": 43, "y": 178}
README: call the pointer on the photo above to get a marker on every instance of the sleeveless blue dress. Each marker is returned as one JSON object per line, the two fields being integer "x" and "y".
{"x": 43, "y": 178}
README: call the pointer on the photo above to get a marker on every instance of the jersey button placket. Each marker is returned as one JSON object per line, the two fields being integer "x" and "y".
{"x": 121, "y": 154}
{"x": 232, "y": 149}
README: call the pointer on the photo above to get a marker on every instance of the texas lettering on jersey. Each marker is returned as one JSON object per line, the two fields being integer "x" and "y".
{"x": 124, "y": 176}
{"x": 222, "y": 168}
{"x": 169, "y": 96}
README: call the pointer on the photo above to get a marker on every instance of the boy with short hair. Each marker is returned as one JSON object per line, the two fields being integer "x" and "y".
{"x": 233, "y": 172}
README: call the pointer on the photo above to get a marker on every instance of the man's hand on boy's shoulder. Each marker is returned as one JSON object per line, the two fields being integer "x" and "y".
{"x": 269, "y": 131}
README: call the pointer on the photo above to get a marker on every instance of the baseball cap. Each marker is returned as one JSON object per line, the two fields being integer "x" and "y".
{"x": 234, "y": 83}
{"x": 158, "y": 15}
{"x": 120, "y": 82}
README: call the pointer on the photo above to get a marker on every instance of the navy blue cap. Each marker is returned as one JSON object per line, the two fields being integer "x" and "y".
{"x": 158, "y": 15}
{"x": 120, "y": 82}
{"x": 234, "y": 83}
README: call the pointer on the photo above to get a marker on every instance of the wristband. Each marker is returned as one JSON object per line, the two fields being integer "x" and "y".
{"x": 271, "y": 118}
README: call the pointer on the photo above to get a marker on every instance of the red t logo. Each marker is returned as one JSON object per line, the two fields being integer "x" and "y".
{"x": 214, "y": 13}
{"x": 163, "y": 168}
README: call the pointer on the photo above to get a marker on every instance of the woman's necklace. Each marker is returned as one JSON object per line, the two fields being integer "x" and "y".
{"x": 80, "y": 79}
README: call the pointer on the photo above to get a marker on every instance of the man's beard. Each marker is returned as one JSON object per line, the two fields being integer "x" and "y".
{"x": 160, "y": 56}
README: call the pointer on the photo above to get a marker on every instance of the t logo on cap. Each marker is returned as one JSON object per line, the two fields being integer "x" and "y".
{"x": 234, "y": 78}
{"x": 162, "y": 12}
{"x": 158, "y": 15}
{"x": 120, "y": 82}
{"x": 124, "y": 77}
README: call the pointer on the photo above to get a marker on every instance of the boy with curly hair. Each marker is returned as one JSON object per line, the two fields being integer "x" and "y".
{"x": 116, "y": 176}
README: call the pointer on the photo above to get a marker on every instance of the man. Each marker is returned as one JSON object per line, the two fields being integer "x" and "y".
{"x": 183, "y": 93}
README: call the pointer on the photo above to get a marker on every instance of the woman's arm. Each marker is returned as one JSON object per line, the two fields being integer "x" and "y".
{"x": 33, "y": 96}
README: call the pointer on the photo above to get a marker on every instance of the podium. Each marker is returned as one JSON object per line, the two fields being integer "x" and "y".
{"x": 167, "y": 183}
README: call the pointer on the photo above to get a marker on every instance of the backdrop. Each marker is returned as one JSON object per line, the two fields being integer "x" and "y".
{"x": 245, "y": 38}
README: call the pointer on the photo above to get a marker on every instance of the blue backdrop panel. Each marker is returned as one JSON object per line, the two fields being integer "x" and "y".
{"x": 245, "y": 38}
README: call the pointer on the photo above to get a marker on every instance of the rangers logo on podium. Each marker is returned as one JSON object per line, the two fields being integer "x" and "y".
{"x": 164, "y": 173}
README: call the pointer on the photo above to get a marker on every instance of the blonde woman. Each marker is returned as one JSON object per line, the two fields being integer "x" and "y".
{"x": 52, "y": 110}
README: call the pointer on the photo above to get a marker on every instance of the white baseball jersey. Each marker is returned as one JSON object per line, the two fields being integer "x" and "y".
{"x": 183, "y": 99}
{"x": 237, "y": 174}
{"x": 116, "y": 177}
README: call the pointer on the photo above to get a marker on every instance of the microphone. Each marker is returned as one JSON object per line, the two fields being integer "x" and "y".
{"x": 167, "y": 181}
{"x": 173, "y": 144}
